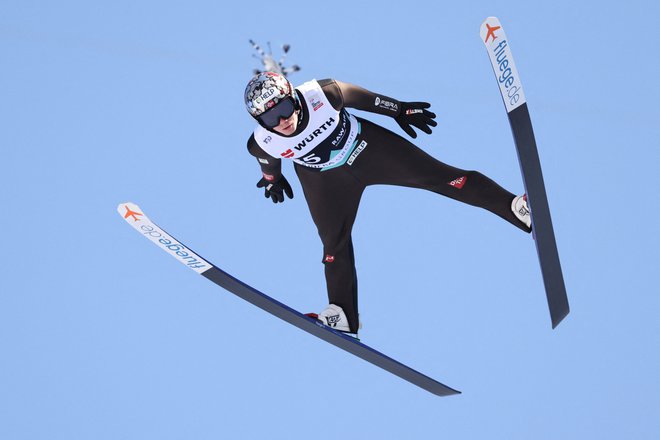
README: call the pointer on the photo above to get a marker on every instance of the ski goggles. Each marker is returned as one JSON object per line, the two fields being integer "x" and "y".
{"x": 282, "y": 110}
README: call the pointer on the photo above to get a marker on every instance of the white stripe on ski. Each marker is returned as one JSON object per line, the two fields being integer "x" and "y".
{"x": 501, "y": 59}
{"x": 136, "y": 218}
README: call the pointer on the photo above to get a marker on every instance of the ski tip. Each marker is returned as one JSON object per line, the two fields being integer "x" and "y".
{"x": 491, "y": 19}
{"x": 121, "y": 205}
{"x": 488, "y": 27}
{"x": 129, "y": 210}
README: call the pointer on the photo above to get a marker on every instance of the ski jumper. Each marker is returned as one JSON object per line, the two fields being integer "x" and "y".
{"x": 337, "y": 155}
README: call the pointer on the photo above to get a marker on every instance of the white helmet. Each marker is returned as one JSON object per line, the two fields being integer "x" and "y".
{"x": 265, "y": 90}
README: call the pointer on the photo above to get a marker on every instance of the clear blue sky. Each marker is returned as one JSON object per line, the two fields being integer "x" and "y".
{"x": 103, "y": 336}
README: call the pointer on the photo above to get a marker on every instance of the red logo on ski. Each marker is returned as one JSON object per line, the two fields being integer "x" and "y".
{"x": 329, "y": 259}
{"x": 491, "y": 32}
{"x": 458, "y": 183}
{"x": 130, "y": 213}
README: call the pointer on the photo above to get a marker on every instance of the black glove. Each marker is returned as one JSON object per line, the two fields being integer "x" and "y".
{"x": 415, "y": 113}
{"x": 276, "y": 189}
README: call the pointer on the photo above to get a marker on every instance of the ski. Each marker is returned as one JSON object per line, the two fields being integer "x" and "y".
{"x": 136, "y": 218}
{"x": 499, "y": 53}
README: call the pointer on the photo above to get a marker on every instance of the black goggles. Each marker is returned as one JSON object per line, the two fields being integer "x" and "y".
{"x": 282, "y": 110}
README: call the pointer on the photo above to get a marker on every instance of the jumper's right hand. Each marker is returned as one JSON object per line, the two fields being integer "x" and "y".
{"x": 276, "y": 189}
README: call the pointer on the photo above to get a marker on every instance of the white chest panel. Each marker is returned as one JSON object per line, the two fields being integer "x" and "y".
{"x": 323, "y": 122}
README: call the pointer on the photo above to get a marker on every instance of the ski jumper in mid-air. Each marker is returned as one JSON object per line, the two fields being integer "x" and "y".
{"x": 337, "y": 155}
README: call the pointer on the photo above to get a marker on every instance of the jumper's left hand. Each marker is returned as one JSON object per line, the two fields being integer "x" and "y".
{"x": 415, "y": 114}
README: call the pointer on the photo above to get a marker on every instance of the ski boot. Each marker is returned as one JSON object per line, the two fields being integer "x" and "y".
{"x": 521, "y": 210}
{"x": 334, "y": 317}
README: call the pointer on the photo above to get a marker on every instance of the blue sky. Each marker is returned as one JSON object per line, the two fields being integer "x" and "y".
{"x": 102, "y": 336}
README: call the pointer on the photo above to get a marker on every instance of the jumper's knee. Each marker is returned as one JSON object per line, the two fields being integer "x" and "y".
{"x": 339, "y": 253}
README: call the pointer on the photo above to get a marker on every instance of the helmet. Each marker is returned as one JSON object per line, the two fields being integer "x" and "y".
{"x": 265, "y": 90}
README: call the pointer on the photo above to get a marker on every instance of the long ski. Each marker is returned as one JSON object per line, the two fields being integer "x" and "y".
{"x": 136, "y": 218}
{"x": 499, "y": 52}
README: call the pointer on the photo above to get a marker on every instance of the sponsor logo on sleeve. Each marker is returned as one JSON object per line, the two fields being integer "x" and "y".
{"x": 388, "y": 105}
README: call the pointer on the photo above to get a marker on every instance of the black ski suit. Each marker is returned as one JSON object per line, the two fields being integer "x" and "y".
{"x": 385, "y": 158}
